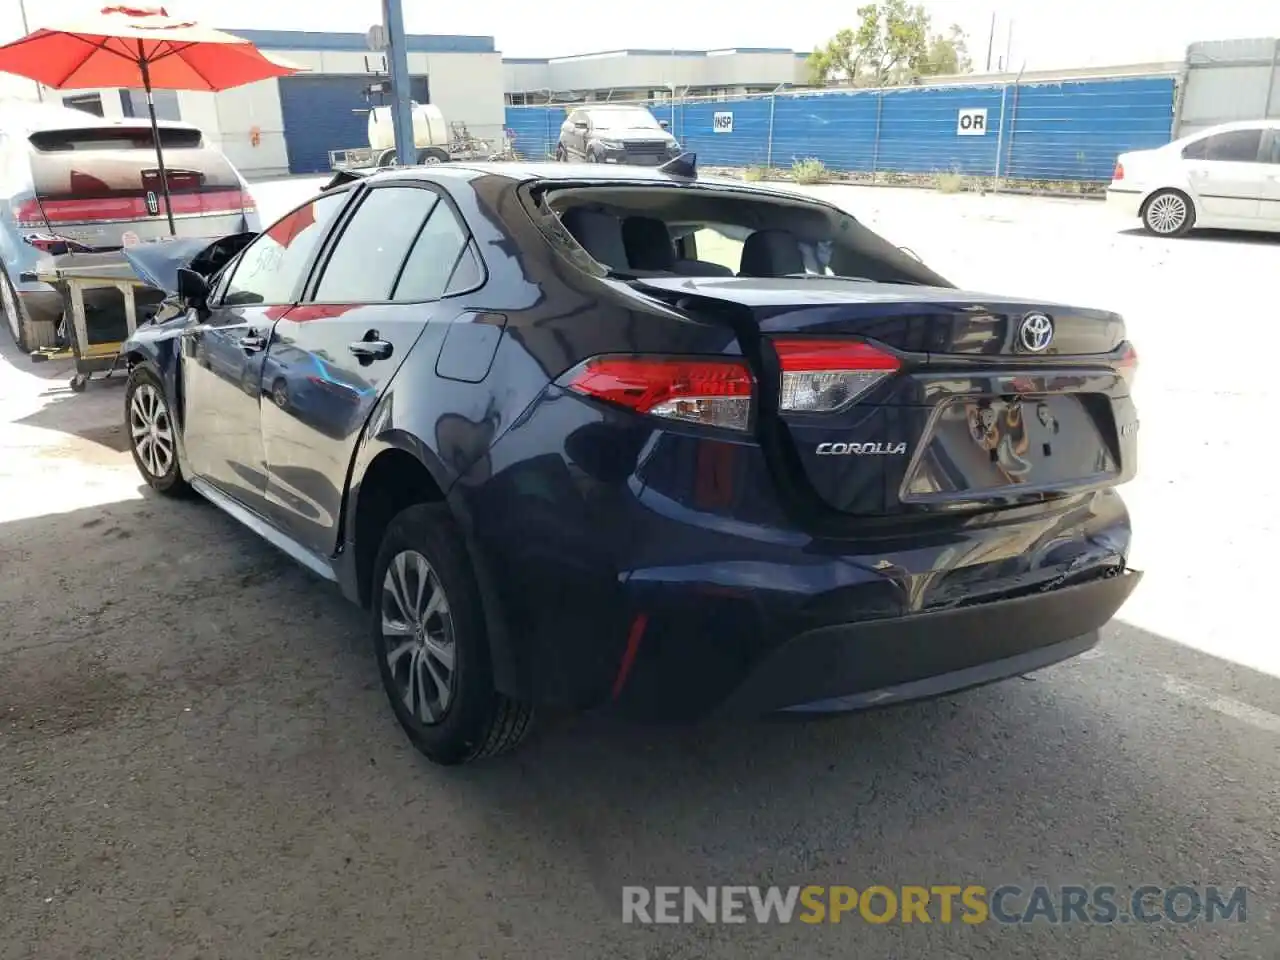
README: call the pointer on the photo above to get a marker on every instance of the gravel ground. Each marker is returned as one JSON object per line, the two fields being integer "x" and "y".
{"x": 197, "y": 761}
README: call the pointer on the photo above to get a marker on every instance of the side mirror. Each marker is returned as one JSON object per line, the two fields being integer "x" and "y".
{"x": 580, "y": 126}
{"x": 664, "y": 124}
{"x": 193, "y": 288}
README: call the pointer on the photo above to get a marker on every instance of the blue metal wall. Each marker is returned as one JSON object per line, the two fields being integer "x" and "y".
{"x": 1045, "y": 131}
{"x": 328, "y": 112}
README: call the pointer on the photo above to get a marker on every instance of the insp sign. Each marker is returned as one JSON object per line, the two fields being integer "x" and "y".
{"x": 722, "y": 123}
{"x": 972, "y": 122}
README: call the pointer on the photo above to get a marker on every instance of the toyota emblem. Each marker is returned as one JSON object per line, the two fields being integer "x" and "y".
{"x": 1036, "y": 332}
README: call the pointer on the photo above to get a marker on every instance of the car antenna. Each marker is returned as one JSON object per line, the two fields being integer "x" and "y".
{"x": 685, "y": 165}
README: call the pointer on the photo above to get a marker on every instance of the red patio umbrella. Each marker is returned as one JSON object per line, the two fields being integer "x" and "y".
{"x": 139, "y": 47}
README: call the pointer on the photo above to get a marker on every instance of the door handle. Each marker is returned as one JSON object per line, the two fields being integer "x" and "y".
{"x": 252, "y": 343}
{"x": 371, "y": 348}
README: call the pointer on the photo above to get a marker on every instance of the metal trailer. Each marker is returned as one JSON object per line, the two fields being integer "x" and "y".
{"x": 102, "y": 297}
{"x": 462, "y": 146}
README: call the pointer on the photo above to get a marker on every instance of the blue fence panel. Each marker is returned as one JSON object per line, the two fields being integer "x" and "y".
{"x": 838, "y": 129}
{"x": 1074, "y": 131}
{"x": 536, "y": 129}
{"x": 745, "y": 145}
{"x": 919, "y": 130}
{"x": 1045, "y": 131}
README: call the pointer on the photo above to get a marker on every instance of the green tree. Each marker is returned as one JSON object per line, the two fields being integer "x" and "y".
{"x": 948, "y": 55}
{"x": 891, "y": 44}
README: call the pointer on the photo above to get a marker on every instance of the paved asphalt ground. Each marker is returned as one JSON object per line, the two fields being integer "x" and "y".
{"x": 196, "y": 759}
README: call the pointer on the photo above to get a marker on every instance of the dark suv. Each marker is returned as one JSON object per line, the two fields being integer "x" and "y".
{"x": 579, "y": 436}
{"x": 615, "y": 133}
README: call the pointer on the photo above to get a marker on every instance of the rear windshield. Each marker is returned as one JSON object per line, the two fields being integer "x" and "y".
{"x": 112, "y": 138}
{"x": 635, "y": 231}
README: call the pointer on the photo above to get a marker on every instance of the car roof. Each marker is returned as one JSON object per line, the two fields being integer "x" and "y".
{"x": 525, "y": 171}
{"x": 1273, "y": 124}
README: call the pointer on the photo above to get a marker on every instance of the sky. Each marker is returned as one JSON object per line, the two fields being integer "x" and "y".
{"x": 1044, "y": 35}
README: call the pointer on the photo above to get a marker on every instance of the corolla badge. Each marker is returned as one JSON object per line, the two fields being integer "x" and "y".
{"x": 1036, "y": 332}
{"x": 860, "y": 449}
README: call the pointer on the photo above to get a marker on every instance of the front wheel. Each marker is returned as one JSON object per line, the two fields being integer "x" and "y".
{"x": 153, "y": 435}
{"x": 1168, "y": 213}
{"x": 432, "y": 647}
{"x": 432, "y": 155}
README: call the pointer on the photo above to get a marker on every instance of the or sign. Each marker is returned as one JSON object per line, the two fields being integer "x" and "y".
{"x": 972, "y": 122}
{"x": 376, "y": 38}
{"x": 129, "y": 239}
{"x": 722, "y": 123}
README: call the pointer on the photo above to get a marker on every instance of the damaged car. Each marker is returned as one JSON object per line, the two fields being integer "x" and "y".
{"x": 585, "y": 437}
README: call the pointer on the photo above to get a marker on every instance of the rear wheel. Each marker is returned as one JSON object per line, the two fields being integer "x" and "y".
{"x": 561, "y": 156}
{"x": 432, "y": 155}
{"x": 1168, "y": 213}
{"x": 153, "y": 435}
{"x": 387, "y": 158}
{"x": 432, "y": 647}
{"x": 28, "y": 334}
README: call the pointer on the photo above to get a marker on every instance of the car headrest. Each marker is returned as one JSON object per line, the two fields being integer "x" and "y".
{"x": 771, "y": 253}
{"x": 648, "y": 243}
{"x": 600, "y": 234}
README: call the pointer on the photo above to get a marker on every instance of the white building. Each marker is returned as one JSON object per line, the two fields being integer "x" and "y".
{"x": 652, "y": 74}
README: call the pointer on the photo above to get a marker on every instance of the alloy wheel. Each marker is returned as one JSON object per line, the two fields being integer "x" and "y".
{"x": 151, "y": 430}
{"x": 418, "y": 635}
{"x": 1167, "y": 213}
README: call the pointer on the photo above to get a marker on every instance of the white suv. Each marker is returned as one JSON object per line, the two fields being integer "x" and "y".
{"x": 1226, "y": 176}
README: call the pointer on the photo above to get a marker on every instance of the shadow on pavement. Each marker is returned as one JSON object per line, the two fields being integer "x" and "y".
{"x": 95, "y": 415}
{"x": 1257, "y": 238}
{"x": 194, "y": 726}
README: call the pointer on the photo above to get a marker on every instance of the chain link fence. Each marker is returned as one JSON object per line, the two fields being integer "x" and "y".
{"x": 1060, "y": 132}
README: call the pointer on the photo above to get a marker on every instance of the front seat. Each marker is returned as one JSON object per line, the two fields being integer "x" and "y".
{"x": 771, "y": 253}
{"x": 600, "y": 234}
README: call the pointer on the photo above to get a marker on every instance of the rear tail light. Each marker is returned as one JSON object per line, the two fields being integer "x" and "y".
{"x": 711, "y": 392}
{"x": 247, "y": 203}
{"x": 825, "y": 376}
{"x": 1129, "y": 365}
{"x": 1118, "y": 173}
{"x": 27, "y": 214}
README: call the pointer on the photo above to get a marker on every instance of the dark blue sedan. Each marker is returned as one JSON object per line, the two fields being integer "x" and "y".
{"x": 609, "y": 437}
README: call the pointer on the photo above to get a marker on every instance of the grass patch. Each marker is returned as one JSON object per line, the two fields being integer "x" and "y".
{"x": 809, "y": 170}
{"x": 754, "y": 173}
{"x": 950, "y": 182}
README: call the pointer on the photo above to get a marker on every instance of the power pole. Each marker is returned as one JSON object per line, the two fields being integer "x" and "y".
{"x": 22, "y": 9}
{"x": 991, "y": 39}
{"x": 398, "y": 68}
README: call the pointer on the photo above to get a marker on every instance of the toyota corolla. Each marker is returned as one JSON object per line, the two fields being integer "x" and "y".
{"x": 639, "y": 440}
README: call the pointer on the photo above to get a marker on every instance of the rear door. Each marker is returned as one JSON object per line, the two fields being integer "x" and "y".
{"x": 96, "y": 184}
{"x": 1225, "y": 172}
{"x": 384, "y": 279}
{"x": 223, "y": 352}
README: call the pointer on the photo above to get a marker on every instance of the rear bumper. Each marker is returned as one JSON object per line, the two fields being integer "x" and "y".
{"x": 1124, "y": 203}
{"x": 856, "y": 666}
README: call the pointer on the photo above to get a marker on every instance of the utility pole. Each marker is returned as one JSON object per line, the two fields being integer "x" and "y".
{"x": 398, "y": 68}
{"x": 22, "y": 9}
{"x": 991, "y": 39}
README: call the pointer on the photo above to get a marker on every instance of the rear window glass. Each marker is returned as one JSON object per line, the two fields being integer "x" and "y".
{"x": 112, "y": 138}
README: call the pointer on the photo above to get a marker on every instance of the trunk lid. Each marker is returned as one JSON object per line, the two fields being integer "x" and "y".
{"x": 947, "y": 401}
{"x": 95, "y": 184}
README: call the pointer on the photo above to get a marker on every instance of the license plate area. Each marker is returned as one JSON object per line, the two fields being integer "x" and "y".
{"x": 985, "y": 445}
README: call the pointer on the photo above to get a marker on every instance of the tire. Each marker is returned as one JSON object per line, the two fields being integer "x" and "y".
{"x": 1168, "y": 213}
{"x": 592, "y": 157}
{"x": 145, "y": 405}
{"x": 461, "y": 717}
{"x": 432, "y": 155}
{"x": 561, "y": 156}
{"x": 387, "y": 158}
{"x": 28, "y": 334}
